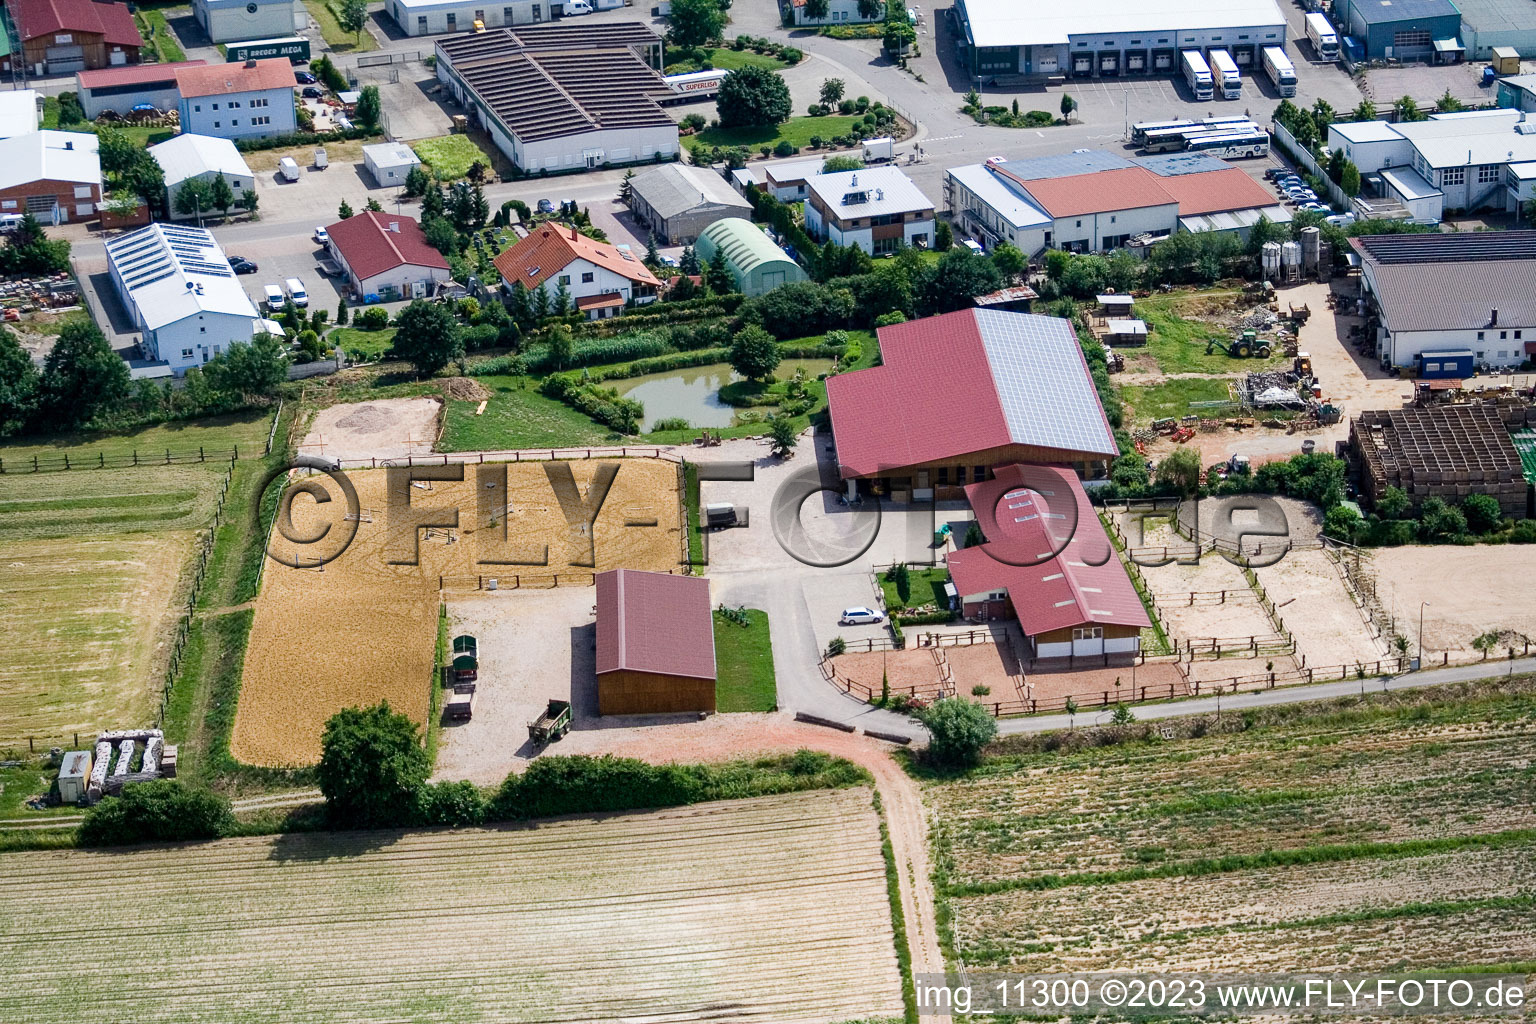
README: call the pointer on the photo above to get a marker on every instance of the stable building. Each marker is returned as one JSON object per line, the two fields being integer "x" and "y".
{"x": 246, "y": 100}
{"x": 433, "y": 17}
{"x": 1109, "y": 38}
{"x": 956, "y": 395}
{"x": 179, "y": 290}
{"x": 655, "y": 643}
{"x": 54, "y": 176}
{"x": 203, "y": 158}
{"x": 756, "y": 264}
{"x": 60, "y": 37}
{"x": 1048, "y": 563}
{"x": 878, "y": 209}
{"x": 600, "y": 278}
{"x": 678, "y": 202}
{"x": 1436, "y": 295}
{"x": 228, "y": 21}
{"x": 121, "y": 89}
{"x": 1405, "y": 30}
{"x": 559, "y": 98}
{"x": 386, "y": 257}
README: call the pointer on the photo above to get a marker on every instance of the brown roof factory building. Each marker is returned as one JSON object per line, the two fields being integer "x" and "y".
{"x": 655, "y": 643}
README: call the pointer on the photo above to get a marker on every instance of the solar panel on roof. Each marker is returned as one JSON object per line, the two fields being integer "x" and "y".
{"x": 1047, "y": 396}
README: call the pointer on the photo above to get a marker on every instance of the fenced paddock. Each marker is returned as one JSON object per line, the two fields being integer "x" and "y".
{"x": 772, "y": 909}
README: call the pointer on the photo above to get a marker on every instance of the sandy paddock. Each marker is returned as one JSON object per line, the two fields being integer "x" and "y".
{"x": 1311, "y": 599}
{"x": 387, "y": 428}
{"x": 360, "y": 629}
{"x": 1469, "y": 591}
{"x": 1240, "y": 616}
{"x": 1152, "y": 680}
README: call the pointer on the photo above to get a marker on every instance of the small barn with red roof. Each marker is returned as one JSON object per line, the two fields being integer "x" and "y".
{"x": 386, "y": 255}
{"x": 655, "y": 643}
{"x": 960, "y": 393}
{"x": 1048, "y": 563}
{"x": 75, "y": 35}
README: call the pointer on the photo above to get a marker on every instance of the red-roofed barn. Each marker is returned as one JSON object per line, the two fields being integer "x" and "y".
{"x": 1047, "y": 562}
{"x": 386, "y": 255}
{"x": 655, "y": 643}
{"x": 960, "y": 393}
{"x": 75, "y": 35}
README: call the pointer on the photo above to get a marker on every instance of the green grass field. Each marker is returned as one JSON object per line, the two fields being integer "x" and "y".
{"x": 336, "y": 37}
{"x": 797, "y": 131}
{"x": 1362, "y": 833}
{"x": 516, "y": 416}
{"x": 361, "y": 344}
{"x": 1171, "y": 398}
{"x": 246, "y": 431}
{"x": 450, "y": 155}
{"x": 744, "y": 663}
{"x": 1178, "y": 344}
{"x": 727, "y": 59}
{"x": 156, "y": 31}
{"x": 108, "y": 501}
{"x": 926, "y": 587}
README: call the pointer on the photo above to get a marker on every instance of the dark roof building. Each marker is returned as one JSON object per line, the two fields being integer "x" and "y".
{"x": 559, "y": 98}
{"x": 1403, "y": 29}
{"x": 655, "y": 643}
{"x": 959, "y": 393}
{"x": 1048, "y": 563}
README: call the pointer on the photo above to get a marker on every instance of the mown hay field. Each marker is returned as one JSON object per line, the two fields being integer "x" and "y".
{"x": 771, "y": 909}
{"x": 1329, "y": 840}
{"x": 91, "y": 573}
{"x": 361, "y": 629}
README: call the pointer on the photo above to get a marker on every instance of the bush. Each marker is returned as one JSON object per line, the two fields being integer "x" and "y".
{"x": 958, "y": 732}
{"x": 457, "y": 804}
{"x": 604, "y": 405}
{"x": 374, "y": 318}
{"x": 159, "y": 811}
{"x": 372, "y": 765}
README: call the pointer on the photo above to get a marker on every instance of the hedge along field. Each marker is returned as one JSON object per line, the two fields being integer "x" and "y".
{"x": 93, "y": 565}
{"x": 769, "y": 909}
{"x": 1336, "y": 838}
{"x": 362, "y": 630}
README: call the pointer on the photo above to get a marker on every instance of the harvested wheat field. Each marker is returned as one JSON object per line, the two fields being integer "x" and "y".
{"x": 362, "y": 628}
{"x": 771, "y": 910}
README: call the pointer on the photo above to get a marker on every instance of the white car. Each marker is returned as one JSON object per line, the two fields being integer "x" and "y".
{"x": 273, "y": 295}
{"x": 860, "y": 616}
{"x": 296, "y": 292}
{"x": 321, "y": 238}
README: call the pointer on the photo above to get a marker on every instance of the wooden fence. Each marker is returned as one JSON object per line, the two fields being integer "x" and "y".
{"x": 523, "y": 455}
{"x": 132, "y": 459}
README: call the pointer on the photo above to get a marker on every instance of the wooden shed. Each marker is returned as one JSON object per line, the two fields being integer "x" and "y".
{"x": 655, "y": 643}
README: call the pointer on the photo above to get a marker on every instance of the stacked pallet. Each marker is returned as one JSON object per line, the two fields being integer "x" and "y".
{"x": 1449, "y": 452}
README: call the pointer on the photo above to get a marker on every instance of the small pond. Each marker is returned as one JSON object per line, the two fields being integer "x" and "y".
{"x": 694, "y": 393}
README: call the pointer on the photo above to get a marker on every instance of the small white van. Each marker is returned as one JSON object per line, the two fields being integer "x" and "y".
{"x": 273, "y": 295}
{"x": 296, "y": 292}
{"x": 575, "y": 7}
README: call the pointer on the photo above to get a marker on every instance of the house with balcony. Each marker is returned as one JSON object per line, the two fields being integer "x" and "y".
{"x": 878, "y": 209}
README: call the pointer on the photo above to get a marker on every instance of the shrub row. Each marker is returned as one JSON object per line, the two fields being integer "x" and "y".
{"x": 304, "y": 139}
{"x": 605, "y": 405}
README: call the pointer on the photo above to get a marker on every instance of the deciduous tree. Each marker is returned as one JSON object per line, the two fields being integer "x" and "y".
{"x": 427, "y": 335}
{"x": 372, "y": 767}
{"x": 754, "y": 353}
{"x": 752, "y": 97}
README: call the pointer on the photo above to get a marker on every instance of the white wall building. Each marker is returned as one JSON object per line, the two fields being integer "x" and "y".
{"x": 177, "y": 286}
{"x": 228, "y": 21}
{"x": 434, "y": 17}
{"x": 600, "y": 278}
{"x": 390, "y": 162}
{"x": 202, "y": 157}
{"x": 236, "y": 101}
{"x": 386, "y": 257}
{"x": 878, "y": 209}
{"x": 121, "y": 89}
{"x": 21, "y": 113}
{"x": 839, "y": 12}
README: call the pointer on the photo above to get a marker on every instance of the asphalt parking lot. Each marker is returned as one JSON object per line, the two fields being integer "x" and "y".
{"x": 282, "y": 259}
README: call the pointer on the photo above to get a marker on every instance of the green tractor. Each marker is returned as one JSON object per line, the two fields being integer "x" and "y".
{"x": 1249, "y": 345}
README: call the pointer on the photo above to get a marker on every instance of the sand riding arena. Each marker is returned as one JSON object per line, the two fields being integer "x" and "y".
{"x": 362, "y": 627}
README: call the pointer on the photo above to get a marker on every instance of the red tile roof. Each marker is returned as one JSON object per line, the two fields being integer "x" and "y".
{"x": 1230, "y": 188}
{"x": 603, "y": 301}
{"x": 35, "y": 18}
{"x": 936, "y": 397}
{"x": 654, "y": 622}
{"x": 224, "y": 79}
{"x": 1123, "y": 188}
{"x": 1048, "y": 550}
{"x": 134, "y": 74}
{"x": 371, "y": 247}
{"x": 550, "y": 248}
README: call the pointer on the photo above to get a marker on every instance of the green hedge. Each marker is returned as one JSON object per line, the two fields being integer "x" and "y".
{"x": 604, "y": 405}
{"x": 305, "y": 139}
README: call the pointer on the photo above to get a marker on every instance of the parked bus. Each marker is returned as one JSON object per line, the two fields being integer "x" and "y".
{"x": 1168, "y": 140}
{"x": 1165, "y": 140}
{"x": 1224, "y": 68}
{"x": 1197, "y": 75}
{"x": 1139, "y": 131}
{"x": 1280, "y": 70}
{"x": 1325, "y": 42}
{"x": 1227, "y": 122}
{"x": 1232, "y": 145}
{"x": 696, "y": 85}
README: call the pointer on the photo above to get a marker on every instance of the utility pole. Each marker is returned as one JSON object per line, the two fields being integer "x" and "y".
{"x": 1421, "y": 632}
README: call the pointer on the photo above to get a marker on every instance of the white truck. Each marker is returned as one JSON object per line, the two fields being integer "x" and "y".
{"x": 1325, "y": 41}
{"x": 879, "y": 151}
{"x": 1197, "y": 75}
{"x": 695, "y": 85}
{"x": 1225, "y": 71}
{"x": 1280, "y": 70}
{"x": 288, "y": 168}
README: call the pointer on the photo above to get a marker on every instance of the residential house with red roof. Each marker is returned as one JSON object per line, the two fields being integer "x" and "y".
{"x": 655, "y": 643}
{"x": 956, "y": 395}
{"x": 386, "y": 257}
{"x": 600, "y": 278}
{"x": 66, "y": 36}
{"x": 1093, "y": 201}
{"x": 246, "y": 100}
{"x": 1048, "y": 563}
